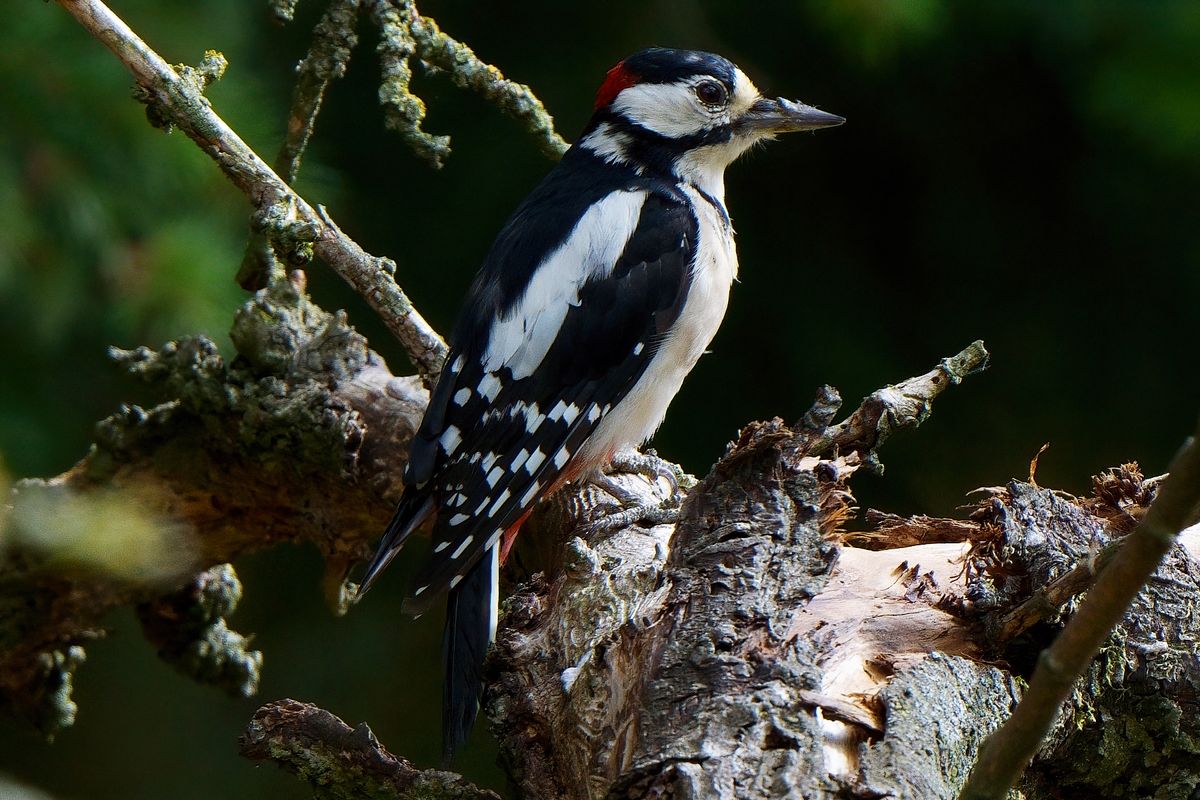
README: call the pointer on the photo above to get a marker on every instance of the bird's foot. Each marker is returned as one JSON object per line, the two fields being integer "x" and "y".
{"x": 650, "y": 466}
{"x": 633, "y": 507}
{"x": 643, "y": 514}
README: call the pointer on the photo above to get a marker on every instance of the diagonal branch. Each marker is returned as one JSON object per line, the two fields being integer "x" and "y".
{"x": 180, "y": 103}
{"x": 340, "y": 761}
{"x": 1009, "y": 750}
{"x": 891, "y": 408}
{"x": 328, "y": 56}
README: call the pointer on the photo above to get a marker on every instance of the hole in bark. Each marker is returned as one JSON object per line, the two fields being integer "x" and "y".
{"x": 1022, "y": 653}
{"x": 777, "y": 739}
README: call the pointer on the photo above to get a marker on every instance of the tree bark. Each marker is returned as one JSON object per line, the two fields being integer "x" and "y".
{"x": 755, "y": 648}
{"x": 749, "y": 650}
{"x": 297, "y": 439}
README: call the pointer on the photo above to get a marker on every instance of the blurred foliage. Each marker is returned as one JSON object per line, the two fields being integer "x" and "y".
{"x": 1013, "y": 170}
{"x": 122, "y": 534}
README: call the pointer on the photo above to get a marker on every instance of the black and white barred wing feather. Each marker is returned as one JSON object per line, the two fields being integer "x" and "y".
{"x": 555, "y": 364}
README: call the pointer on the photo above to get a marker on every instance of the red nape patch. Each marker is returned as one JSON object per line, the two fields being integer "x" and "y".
{"x": 618, "y": 79}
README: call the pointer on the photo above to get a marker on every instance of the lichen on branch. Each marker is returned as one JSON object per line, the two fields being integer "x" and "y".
{"x": 406, "y": 34}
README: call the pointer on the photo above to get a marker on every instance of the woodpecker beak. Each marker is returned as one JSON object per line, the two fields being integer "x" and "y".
{"x": 777, "y": 115}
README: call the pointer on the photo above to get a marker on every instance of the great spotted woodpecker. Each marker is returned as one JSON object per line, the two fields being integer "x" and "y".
{"x": 596, "y": 300}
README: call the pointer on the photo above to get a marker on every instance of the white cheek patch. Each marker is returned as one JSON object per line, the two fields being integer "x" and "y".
{"x": 744, "y": 94}
{"x": 668, "y": 109}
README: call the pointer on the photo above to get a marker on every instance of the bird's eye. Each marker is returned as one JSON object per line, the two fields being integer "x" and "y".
{"x": 711, "y": 93}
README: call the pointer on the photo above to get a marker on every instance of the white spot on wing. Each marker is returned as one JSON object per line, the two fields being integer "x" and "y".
{"x": 458, "y": 551}
{"x": 493, "y": 557}
{"x": 499, "y": 502}
{"x": 450, "y": 440}
{"x": 458, "y": 364}
{"x": 556, "y": 413}
{"x": 593, "y": 413}
{"x": 560, "y": 458}
{"x": 462, "y": 396}
{"x": 535, "y": 461}
{"x": 489, "y": 386}
{"x": 441, "y": 546}
{"x": 571, "y": 413}
{"x": 528, "y": 496}
{"x": 455, "y": 581}
{"x": 494, "y": 476}
{"x": 488, "y": 462}
{"x": 519, "y": 459}
{"x": 459, "y": 519}
{"x": 533, "y": 419}
{"x": 637, "y": 350}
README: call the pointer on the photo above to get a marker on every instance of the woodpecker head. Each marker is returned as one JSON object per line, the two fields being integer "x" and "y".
{"x": 689, "y": 113}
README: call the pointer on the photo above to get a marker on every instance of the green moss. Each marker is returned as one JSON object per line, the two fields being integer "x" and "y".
{"x": 191, "y": 633}
{"x": 56, "y": 709}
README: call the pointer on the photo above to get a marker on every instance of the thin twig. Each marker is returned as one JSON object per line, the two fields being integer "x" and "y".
{"x": 332, "y": 42}
{"x": 1007, "y": 752}
{"x": 468, "y": 71}
{"x": 404, "y": 35}
{"x": 403, "y": 111}
{"x": 182, "y": 105}
{"x": 908, "y": 403}
{"x": 1049, "y": 600}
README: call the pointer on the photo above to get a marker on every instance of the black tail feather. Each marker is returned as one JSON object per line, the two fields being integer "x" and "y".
{"x": 470, "y": 628}
{"x": 410, "y": 513}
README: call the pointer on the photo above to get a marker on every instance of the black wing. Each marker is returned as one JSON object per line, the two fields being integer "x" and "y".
{"x": 504, "y": 452}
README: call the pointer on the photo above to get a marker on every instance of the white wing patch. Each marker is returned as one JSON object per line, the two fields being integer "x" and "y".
{"x": 450, "y": 440}
{"x": 521, "y": 339}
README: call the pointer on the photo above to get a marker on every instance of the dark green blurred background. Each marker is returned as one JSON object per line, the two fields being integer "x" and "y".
{"x": 1021, "y": 172}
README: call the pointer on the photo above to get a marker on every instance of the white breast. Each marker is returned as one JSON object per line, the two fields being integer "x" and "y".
{"x": 640, "y": 413}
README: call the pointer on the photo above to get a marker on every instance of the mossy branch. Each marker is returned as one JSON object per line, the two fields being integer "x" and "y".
{"x": 180, "y": 103}
{"x": 297, "y": 439}
{"x": 883, "y": 412}
{"x": 341, "y": 762}
{"x": 328, "y": 56}
{"x": 406, "y": 34}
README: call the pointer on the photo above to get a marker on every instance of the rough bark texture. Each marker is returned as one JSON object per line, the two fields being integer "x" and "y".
{"x": 730, "y": 657}
{"x": 750, "y": 653}
{"x": 340, "y": 762}
{"x": 297, "y": 439}
{"x": 1131, "y": 728}
{"x": 747, "y": 650}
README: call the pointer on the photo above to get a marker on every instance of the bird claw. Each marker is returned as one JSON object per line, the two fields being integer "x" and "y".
{"x": 632, "y": 508}
{"x": 640, "y": 514}
{"x": 650, "y": 466}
